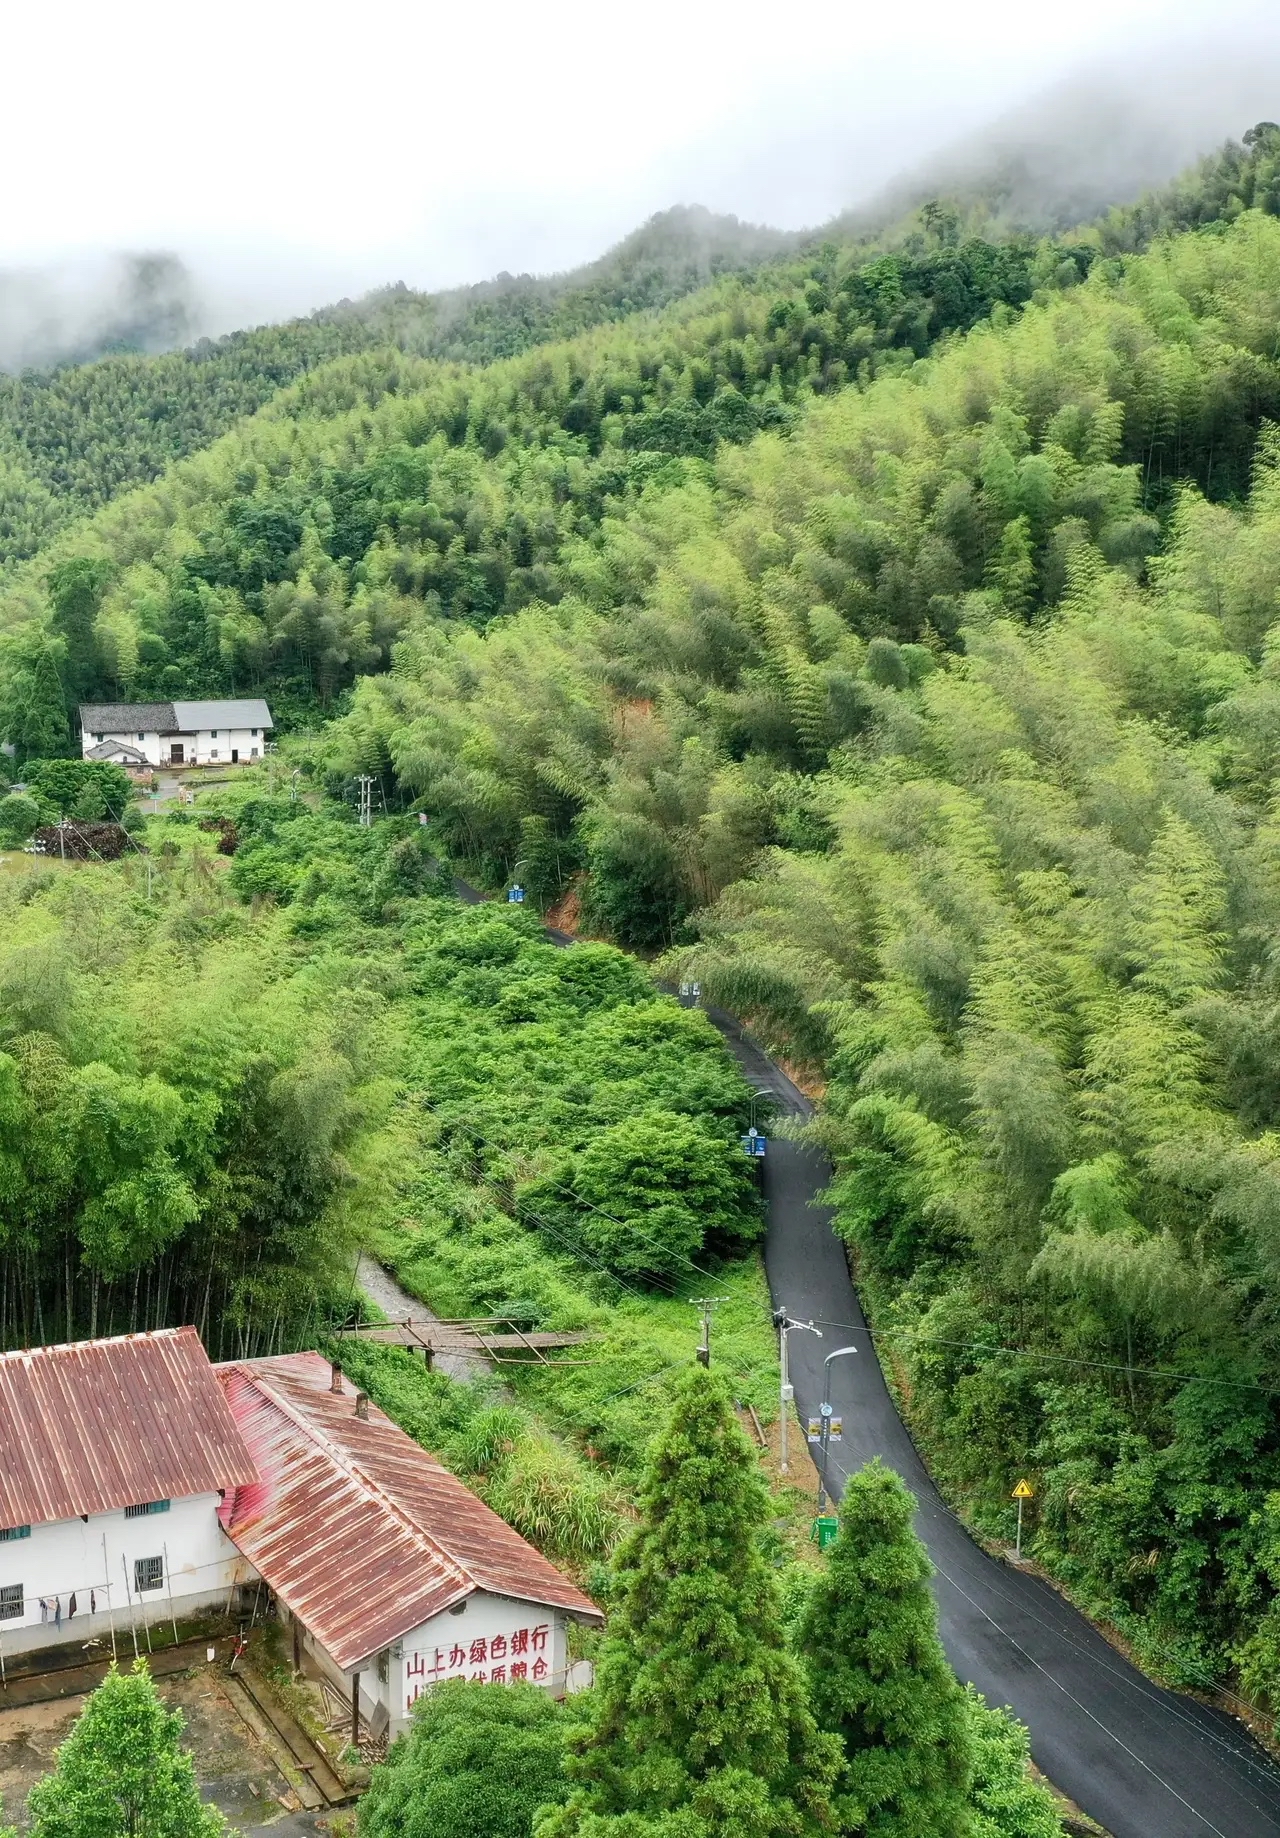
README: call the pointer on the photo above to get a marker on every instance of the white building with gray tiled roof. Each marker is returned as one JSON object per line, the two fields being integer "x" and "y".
{"x": 232, "y": 732}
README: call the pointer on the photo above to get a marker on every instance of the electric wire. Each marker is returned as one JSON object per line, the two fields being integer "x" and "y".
{"x": 1097, "y": 1365}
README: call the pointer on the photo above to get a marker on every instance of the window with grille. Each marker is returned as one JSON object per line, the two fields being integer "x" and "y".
{"x": 10, "y": 1532}
{"x": 148, "y": 1573}
{"x": 145, "y": 1508}
{"x": 11, "y": 1602}
{"x": 384, "y": 1665}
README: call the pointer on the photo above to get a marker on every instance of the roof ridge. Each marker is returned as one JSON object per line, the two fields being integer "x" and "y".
{"x": 102, "y": 1340}
{"x": 353, "y": 1470}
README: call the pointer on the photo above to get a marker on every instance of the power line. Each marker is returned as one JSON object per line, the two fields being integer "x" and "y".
{"x": 1061, "y": 1359}
{"x": 708, "y": 1305}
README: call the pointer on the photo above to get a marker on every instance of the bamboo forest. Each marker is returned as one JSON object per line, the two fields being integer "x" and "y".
{"x": 874, "y": 631}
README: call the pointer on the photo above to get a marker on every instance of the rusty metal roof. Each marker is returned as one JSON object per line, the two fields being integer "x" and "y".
{"x": 99, "y": 1424}
{"x": 360, "y": 1532}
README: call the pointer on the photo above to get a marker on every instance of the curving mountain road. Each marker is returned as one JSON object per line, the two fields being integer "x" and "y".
{"x": 1144, "y": 1762}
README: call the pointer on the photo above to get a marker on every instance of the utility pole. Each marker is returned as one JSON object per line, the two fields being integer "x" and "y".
{"x": 839, "y": 1353}
{"x": 365, "y": 782}
{"x": 706, "y": 1304}
{"x": 786, "y": 1390}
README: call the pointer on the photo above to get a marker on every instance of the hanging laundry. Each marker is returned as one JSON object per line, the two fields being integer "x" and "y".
{"x": 57, "y": 1611}
{"x": 44, "y": 1609}
{"x": 93, "y": 1601}
{"x": 71, "y": 1605}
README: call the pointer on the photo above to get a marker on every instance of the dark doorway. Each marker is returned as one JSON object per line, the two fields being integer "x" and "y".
{"x": 175, "y": 753}
{"x": 235, "y": 756}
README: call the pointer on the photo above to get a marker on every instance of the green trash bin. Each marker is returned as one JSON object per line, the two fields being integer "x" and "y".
{"x": 825, "y": 1527}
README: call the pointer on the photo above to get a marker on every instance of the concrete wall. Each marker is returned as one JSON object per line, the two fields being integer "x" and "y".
{"x": 461, "y": 1645}
{"x": 214, "y": 748}
{"x": 426, "y": 1656}
{"x": 204, "y": 747}
{"x": 146, "y": 743}
{"x": 93, "y": 1559}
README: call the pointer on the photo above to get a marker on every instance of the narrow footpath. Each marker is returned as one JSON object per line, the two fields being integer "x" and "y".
{"x": 1144, "y": 1762}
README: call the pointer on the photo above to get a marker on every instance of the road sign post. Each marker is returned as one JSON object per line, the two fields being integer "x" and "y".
{"x": 1022, "y": 1492}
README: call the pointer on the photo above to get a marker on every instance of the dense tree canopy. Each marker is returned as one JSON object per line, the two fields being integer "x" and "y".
{"x": 478, "y": 1762}
{"x": 886, "y": 635}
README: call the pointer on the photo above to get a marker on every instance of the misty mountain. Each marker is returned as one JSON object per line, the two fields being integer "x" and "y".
{"x": 1098, "y": 140}
{"x": 73, "y": 435}
{"x": 78, "y": 312}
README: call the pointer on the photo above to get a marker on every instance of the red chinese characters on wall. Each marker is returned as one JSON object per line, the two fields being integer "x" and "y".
{"x": 496, "y": 1659}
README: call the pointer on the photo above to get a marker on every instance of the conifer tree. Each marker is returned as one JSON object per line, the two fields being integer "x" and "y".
{"x": 121, "y": 1773}
{"x": 701, "y": 1727}
{"x": 33, "y": 715}
{"x": 879, "y": 1678}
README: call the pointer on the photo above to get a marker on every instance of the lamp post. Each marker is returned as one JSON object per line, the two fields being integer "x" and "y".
{"x": 786, "y": 1390}
{"x": 839, "y": 1353}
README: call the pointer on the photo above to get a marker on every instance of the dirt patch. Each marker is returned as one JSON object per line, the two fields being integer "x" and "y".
{"x": 805, "y": 1079}
{"x": 234, "y": 1771}
{"x": 794, "y": 1493}
{"x": 566, "y": 915}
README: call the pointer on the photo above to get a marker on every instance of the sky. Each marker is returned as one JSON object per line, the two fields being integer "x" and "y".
{"x": 292, "y": 153}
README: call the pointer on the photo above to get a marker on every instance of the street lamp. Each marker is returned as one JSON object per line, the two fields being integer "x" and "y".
{"x": 787, "y": 1391}
{"x": 839, "y": 1353}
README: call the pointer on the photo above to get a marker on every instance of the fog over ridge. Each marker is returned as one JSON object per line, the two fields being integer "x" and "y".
{"x": 1121, "y": 122}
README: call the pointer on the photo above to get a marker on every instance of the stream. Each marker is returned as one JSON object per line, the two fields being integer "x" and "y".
{"x": 396, "y": 1303}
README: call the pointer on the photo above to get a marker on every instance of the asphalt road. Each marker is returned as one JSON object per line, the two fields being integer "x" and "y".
{"x": 1143, "y": 1762}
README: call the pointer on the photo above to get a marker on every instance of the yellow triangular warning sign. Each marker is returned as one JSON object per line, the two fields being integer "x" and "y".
{"x": 1024, "y": 1491}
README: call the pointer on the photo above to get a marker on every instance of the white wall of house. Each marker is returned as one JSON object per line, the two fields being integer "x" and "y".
{"x": 202, "y": 747}
{"x": 215, "y": 746}
{"x": 93, "y": 1559}
{"x": 492, "y": 1635}
{"x": 148, "y": 743}
{"x": 537, "y": 1635}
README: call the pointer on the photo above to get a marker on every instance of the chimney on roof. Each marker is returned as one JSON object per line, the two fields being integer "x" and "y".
{"x": 335, "y": 1378}
{"x": 362, "y": 1405}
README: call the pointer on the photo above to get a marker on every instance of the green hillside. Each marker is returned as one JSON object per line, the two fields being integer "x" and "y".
{"x": 892, "y": 643}
{"x": 74, "y": 436}
{"x": 291, "y": 554}
{"x": 936, "y": 734}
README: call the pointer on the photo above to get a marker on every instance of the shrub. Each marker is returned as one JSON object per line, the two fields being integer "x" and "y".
{"x": 477, "y": 1762}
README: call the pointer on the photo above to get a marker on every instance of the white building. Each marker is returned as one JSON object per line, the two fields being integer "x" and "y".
{"x": 114, "y": 1459}
{"x": 138, "y": 1483}
{"x": 392, "y": 1573}
{"x": 175, "y": 733}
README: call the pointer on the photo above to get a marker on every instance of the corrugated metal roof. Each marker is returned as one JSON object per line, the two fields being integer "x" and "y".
{"x": 249, "y": 713}
{"x": 99, "y": 1424}
{"x": 359, "y": 1531}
